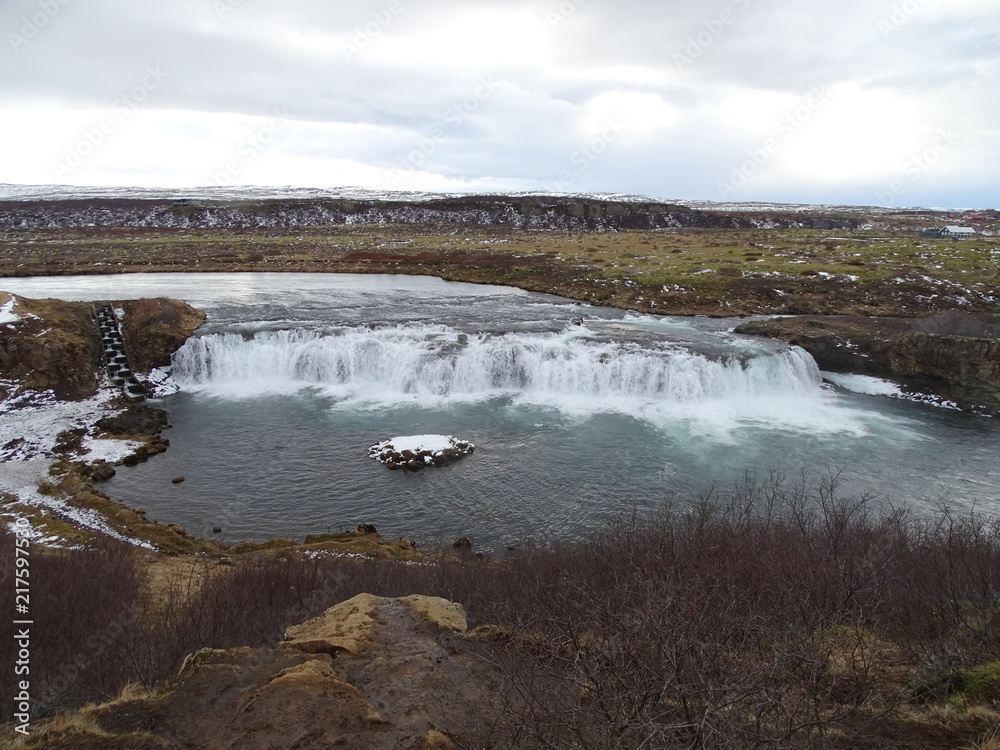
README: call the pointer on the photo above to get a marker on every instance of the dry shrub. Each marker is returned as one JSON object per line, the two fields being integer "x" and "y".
{"x": 772, "y": 613}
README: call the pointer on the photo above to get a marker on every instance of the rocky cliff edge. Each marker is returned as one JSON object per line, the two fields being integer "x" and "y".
{"x": 55, "y": 345}
{"x": 370, "y": 672}
{"x": 952, "y": 355}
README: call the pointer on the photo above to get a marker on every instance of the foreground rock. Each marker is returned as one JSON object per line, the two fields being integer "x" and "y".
{"x": 369, "y": 673}
{"x": 418, "y": 451}
{"x": 952, "y": 355}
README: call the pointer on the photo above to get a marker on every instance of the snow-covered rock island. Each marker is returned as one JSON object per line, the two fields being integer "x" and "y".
{"x": 418, "y": 451}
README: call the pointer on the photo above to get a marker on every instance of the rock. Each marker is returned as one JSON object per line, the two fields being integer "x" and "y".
{"x": 416, "y": 675}
{"x": 462, "y": 543}
{"x": 147, "y": 450}
{"x": 153, "y": 329}
{"x": 54, "y": 345}
{"x": 435, "y": 739}
{"x": 419, "y": 451}
{"x": 313, "y": 683}
{"x": 177, "y": 480}
{"x": 938, "y": 355}
{"x": 347, "y": 626}
{"x": 137, "y": 419}
{"x": 100, "y": 470}
{"x": 70, "y": 441}
{"x": 366, "y": 528}
{"x": 216, "y": 529}
{"x": 447, "y": 615}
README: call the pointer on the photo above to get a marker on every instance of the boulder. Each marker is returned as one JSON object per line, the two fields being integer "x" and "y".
{"x": 153, "y": 329}
{"x": 137, "y": 419}
{"x": 347, "y": 626}
{"x": 447, "y": 615}
{"x": 414, "y": 681}
{"x": 100, "y": 470}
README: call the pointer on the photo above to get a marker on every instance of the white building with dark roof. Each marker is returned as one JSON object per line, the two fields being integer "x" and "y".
{"x": 950, "y": 232}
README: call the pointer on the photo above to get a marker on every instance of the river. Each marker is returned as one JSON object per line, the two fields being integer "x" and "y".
{"x": 579, "y": 413}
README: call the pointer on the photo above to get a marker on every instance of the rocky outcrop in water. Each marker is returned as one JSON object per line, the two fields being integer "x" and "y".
{"x": 154, "y": 329}
{"x": 418, "y": 451}
{"x": 526, "y": 212}
{"x": 370, "y": 673}
{"x": 954, "y": 356}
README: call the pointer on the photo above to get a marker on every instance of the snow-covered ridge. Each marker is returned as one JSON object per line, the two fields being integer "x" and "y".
{"x": 42, "y": 207}
{"x": 12, "y": 192}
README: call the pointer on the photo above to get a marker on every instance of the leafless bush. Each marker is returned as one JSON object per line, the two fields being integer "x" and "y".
{"x": 771, "y": 613}
{"x": 83, "y": 605}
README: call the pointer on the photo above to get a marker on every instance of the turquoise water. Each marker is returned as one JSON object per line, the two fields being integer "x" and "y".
{"x": 579, "y": 413}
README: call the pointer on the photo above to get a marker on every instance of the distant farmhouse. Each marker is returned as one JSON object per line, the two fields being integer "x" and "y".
{"x": 958, "y": 233}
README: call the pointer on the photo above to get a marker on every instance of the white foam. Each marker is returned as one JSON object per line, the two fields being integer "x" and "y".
{"x": 570, "y": 372}
{"x": 434, "y": 363}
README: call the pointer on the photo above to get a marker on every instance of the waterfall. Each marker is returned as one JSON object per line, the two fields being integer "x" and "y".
{"x": 430, "y": 360}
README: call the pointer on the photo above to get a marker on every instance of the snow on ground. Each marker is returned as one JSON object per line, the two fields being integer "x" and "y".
{"x": 870, "y": 386}
{"x": 222, "y": 193}
{"x": 31, "y": 425}
{"x": 160, "y": 384}
{"x": 84, "y": 517}
{"x": 7, "y": 314}
{"x": 29, "y": 429}
{"x": 863, "y": 384}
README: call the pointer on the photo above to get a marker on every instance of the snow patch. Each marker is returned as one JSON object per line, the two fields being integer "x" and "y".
{"x": 32, "y": 424}
{"x": 870, "y": 386}
{"x": 432, "y": 443}
{"x": 863, "y": 384}
{"x": 159, "y": 383}
{"x": 7, "y": 314}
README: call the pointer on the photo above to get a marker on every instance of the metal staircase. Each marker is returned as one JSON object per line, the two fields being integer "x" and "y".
{"x": 115, "y": 358}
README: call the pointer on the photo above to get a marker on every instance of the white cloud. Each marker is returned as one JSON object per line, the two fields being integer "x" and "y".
{"x": 414, "y": 87}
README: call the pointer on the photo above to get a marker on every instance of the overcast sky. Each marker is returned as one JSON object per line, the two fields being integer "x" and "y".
{"x": 875, "y": 102}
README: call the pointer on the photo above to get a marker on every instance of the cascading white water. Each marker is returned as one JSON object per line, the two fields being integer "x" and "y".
{"x": 571, "y": 428}
{"x": 443, "y": 362}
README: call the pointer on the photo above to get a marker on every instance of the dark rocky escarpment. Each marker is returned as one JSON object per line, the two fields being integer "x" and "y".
{"x": 525, "y": 211}
{"x": 55, "y": 345}
{"x": 952, "y": 355}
